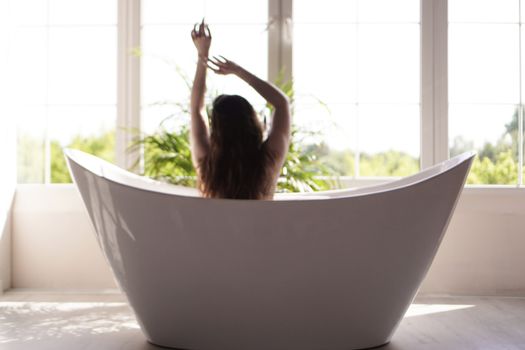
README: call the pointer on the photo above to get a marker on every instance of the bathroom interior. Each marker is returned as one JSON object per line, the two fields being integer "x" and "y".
{"x": 381, "y": 93}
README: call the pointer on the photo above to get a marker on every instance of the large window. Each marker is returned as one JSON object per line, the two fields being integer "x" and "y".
{"x": 62, "y": 77}
{"x": 357, "y": 68}
{"x": 485, "y": 87}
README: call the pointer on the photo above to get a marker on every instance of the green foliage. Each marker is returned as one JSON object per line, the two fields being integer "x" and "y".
{"x": 502, "y": 171}
{"x": 390, "y": 163}
{"x": 496, "y": 163}
{"x": 342, "y": 162}
{"x": 30, "y": 159}
{"x": 102, "y": 146}
{"x": 167, "y": 156}
{"x": 302, "y": 168}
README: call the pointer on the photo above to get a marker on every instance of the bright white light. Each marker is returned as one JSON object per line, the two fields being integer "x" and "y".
{"x": 24, "y": 321}
{"x": 427, "y": 309}
{"x": 369, "y": 80}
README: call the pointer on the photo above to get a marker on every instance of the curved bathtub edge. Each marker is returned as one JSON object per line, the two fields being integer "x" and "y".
{"x": 398, "y": 184}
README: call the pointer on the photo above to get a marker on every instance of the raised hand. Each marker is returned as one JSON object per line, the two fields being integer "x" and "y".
{"x": 201, "y": 37}
{"x": 221, "y": 65}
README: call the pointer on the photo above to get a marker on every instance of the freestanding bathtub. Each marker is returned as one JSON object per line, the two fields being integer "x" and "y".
{"x": 329, "y": 270}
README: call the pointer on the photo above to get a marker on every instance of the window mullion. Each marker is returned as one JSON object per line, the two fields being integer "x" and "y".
{"x": 520, "y": 143}
{"x": 434, "y": 82}
{"x": 520, "y": 107}
{"x": 47, "y": 141}
{"x": 280, "y": 37}
{"x": 128, "y": 82}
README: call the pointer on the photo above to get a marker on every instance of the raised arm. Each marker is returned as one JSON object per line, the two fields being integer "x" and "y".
{"x": 279, "y": 134}
{"x": 199, "y": 137}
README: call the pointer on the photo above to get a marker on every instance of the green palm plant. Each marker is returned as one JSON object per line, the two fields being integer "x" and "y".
{"x": 167, "y": 156}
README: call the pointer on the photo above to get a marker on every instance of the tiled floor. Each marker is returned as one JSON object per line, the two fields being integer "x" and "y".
{"x": 39, "y": 320}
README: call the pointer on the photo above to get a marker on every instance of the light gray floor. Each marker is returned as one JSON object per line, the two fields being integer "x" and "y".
{"x": 38, "y": 320}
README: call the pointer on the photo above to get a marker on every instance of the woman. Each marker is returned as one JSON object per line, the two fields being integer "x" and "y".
{"x": 233, "y": 160}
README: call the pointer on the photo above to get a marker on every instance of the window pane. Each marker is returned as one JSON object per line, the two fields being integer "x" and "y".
{"x": 484, "y": 63}
{"x": 490, "y": 130}
{"x": 215, "y": 12}
{"x": 387, "y": 11}
{"x": 247, "y": 45}
{"x": 328, "y": 72}
{"x": 388, "y": 61}
{"x": 166, "y": 71}
{"x": 389, "y": 140}
{"x": 169, "y": 114}
{"x": 328, "y": 11}
{"x": 82, "y": 65}
{"x": 82, "y": 12}
{"x": 171, "y": 11}
{"x": 27, "y": 66}
{"x": 28, "y": 12}
{"x": 91, "y": 129}
{"x": 352, "y": 11}
{"x": 495, "y": 11}
{"x": 31, "y": 126}
{"x": 330, "y": 134}
{"x": 4, "y": 44}
{"x": 236, "y": 11}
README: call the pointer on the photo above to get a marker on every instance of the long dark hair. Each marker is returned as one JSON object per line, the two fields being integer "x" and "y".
{"x": 235, "y": 166}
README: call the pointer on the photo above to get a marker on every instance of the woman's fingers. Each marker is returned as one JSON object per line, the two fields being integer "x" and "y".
{"x": 215, "y": 66}
{"x": 201, "y": 27}
{"x": 215, "y": 63}
{"x": 216, "y": 70}
{"x": 222, "y": 61}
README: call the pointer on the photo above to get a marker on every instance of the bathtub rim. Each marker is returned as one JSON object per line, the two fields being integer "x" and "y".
{"x": 164, "y": 188}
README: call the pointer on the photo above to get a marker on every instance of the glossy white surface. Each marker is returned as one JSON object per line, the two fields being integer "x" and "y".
{"x": 334, "y": 269}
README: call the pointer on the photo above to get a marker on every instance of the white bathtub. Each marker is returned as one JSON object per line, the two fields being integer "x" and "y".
{"x": 329, "y": 270}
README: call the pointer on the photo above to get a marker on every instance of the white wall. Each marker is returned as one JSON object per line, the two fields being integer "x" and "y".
{"x": 482, "y": 253}
{"x": 5, "y": 244}
{"x": 7, "y": 190}
{"x": 54, "y": 245}
{"x": 7, "y": 156}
